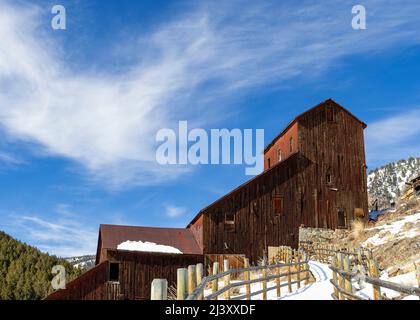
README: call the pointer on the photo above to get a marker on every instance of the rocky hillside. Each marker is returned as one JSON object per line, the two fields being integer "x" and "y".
{"x": 387, "y": 182}
{"x": 395, "y": 242}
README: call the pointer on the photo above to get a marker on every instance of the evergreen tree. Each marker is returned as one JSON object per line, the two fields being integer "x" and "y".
{"x": 25, "y": 272}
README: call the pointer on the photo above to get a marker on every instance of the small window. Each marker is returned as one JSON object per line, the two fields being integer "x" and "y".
{"x": 269, "y": 163}
{"x": 330, "y": 114}
{"x": 254, "y": 207}
{"x": 229, "y": 222}
{"x": 328, "y": 178}
{"x": 279, "y": 155}
{"x": 114, "y": 271}
{"x": 341, "y": 219}
{"x": 278, "y": 205}
{"x": 291, "y": 144}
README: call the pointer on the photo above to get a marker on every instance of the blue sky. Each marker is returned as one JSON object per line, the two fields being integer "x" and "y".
{"x": 79, "y": 108}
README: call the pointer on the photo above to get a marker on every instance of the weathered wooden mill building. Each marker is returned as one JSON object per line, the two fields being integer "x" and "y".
{"x": 314, "y": 175}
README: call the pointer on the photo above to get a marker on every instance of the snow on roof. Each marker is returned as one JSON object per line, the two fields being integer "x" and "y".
{"x": 147, "y": 247}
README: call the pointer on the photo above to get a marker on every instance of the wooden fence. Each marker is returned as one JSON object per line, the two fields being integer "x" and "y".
{"x": 349, "y": 264}
{"x": 289, "y": 265}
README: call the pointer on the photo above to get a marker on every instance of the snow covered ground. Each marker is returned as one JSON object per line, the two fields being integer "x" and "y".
{"x": 319, "y": 290}
{"x": 366, "y": 290}
{"x": 322, "y": 288}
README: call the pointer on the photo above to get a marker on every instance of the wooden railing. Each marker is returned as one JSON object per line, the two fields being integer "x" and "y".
{"x": 192, "y": 286}
{"x": 346, "y": 268}
{"x": 348, "y": 264}
{"x": 323, "y": 252}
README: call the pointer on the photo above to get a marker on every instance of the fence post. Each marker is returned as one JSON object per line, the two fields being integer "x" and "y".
{"x": 289, "y": 270}
{"x": 339, "y": 276}
{"x": 181, "y": 283}
{"x": 374, "y": 273}
{"x": 247, "y": 278}
{"x": 298, "y": 269}
{"x": 417, "y": 268}
{"x": 227, "y": 278}
{"x": 334, "y": 263}
{"x": 191, "y": 279}
{"x": 159, "y": 289}
{"x": 348, "y": 285}
{"x": 264, "y": 283}
{"x": 307, "y": 273}
{"x": 215, "y": 283}
{"x": 278, "y": 281}
{"x": 199, "y": 275}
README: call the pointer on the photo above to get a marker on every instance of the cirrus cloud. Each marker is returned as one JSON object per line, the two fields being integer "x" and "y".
{"x": 106, "y": 121}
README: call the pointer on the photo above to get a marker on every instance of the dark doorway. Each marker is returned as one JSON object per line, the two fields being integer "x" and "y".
{"x": 114, "y": 271}
{"x": 341, "y": 218}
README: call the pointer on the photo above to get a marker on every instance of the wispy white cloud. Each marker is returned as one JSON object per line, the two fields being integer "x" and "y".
{"x": 393, "y": 138}
{"x": 64, "y": 233}
{"x": 65, "y": 238}
{"x": 107, "y": 122}
{"x": 174, "y": 211}
{"x": 11, "y": 159}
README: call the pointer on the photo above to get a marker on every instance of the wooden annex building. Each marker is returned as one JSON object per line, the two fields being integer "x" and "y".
{"x": 314, "y": 175}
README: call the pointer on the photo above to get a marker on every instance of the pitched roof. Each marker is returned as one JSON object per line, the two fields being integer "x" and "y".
{"x": 110, "y": 236}
{"x": 324, "y": 103}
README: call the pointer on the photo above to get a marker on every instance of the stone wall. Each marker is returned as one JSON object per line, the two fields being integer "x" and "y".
{"x": 320, "y": 235}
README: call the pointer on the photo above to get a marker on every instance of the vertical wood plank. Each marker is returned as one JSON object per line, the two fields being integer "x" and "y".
{"x": 227, "y": 278}
{"x": 247, "y": 278}
{"x": 159, "y": 289}
{"x": 199, "y": 277}
{"x": 340, "y": 277}
{"x": 215, "y": 283}
{"x": 289, "y": 270}
{"x": 374, "y": 273}
{"x": 264, "y": 282}
{"x": 181, "y": 284}
{"x": 346, "y": 264}
{"x": 298, "y": 253}
{"x": 334, "y": 263}
{"x": 192, "y": 283}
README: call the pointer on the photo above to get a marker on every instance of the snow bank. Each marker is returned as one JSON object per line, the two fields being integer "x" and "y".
{"x": 147, "y": 247}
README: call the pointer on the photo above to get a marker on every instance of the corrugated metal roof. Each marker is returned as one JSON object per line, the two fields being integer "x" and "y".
{"x": 112, "y": 235}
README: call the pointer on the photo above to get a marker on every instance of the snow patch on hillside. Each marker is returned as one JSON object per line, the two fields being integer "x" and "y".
{"x": 147, "y": 247}
{"x": 393, "y": 230}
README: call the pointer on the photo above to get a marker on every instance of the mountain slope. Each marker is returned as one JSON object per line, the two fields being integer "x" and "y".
{"x": 25, "y": 272}
{"x": 387, "y": 182}
{"x": 82, "y": 262}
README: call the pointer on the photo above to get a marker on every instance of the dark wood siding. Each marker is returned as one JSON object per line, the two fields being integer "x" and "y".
{"x": 257, "y": 226}
{"x": 89, "y": 286}
{"x": 334, "y": 148}
{"x": 138, "y": 269}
